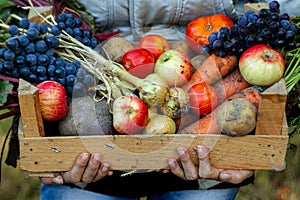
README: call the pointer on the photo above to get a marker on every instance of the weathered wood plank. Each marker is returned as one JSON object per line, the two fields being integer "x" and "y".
{"x": 30, "y": 110}
{"x": 271, "y": 110}
{"x": 51, "y": 154}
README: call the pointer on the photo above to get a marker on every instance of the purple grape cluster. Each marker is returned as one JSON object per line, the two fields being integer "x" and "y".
{"x": 29, "y": 53}
{"x": 268, "y": 26}
{"x": 73, "y": 26}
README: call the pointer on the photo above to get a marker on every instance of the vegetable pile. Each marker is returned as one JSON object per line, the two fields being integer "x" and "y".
{"x": 153, "y": 87}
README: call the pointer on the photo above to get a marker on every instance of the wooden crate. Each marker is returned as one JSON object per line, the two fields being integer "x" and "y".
{"x": 266, "y": 150}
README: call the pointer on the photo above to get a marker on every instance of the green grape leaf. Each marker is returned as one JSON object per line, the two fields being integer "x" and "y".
{"x": 6, "y": 4}
{"x": 6, "y": 88}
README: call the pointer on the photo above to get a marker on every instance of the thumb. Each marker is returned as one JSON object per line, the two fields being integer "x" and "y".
{"x": 58, "y": 180}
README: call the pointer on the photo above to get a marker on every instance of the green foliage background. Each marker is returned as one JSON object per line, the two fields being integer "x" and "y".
{"x": 15, "y": 184}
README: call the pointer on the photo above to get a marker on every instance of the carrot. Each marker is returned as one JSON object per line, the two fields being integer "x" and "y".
{"x": 230, "y": 85}
{"x": 208, "y": 123}
{"x": 213, "y": 69}
{"x": 226, "y": 87}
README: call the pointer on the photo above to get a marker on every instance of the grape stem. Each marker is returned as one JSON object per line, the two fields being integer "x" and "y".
{"x": 9, "y": 114}
{"x": 10, "y": 79}
{"x": 7, "y": 106}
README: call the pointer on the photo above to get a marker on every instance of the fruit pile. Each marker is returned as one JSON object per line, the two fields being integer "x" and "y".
{"x": 29, "y": 53}
{"x": 268, "y": 26}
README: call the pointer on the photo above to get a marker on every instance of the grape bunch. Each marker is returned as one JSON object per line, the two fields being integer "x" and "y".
{"x": 29, "y": 53}
{"x": 73, "y": 26}
{"x": 268, "y": 26}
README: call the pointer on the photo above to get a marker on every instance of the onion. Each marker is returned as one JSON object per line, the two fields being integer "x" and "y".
{"x": 153, "y": 90}
{"x": 159, "y": 124}
{"x": 177, "y": 104}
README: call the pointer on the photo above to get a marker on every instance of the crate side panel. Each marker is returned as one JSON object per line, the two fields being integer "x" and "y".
{"x": 32, "y": 122}
{"x": 271, "y": 111}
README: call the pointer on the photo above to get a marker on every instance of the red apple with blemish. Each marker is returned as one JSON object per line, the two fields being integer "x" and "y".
{"x": 175, "y": 67}
{"x": 130, "y": 115}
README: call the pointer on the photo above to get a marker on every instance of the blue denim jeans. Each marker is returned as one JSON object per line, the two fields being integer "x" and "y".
{"x": 62, "y": 192}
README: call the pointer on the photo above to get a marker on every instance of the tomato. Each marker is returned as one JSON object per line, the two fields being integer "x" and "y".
{"x": 198, "y": 30}
{"x": 156, "y": 44}
{"x": 203, "y": 98}
{"x": 139, "y": 62}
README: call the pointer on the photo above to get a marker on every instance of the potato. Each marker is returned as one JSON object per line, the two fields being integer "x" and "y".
{"x": 237, "y": 117}
{"x": 87, "y": 117}
{"x": 181, "y": 45}
{"x": 116, "y": 47}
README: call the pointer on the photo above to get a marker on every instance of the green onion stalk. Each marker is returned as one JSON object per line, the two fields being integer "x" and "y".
{"x": 292, "y": 72}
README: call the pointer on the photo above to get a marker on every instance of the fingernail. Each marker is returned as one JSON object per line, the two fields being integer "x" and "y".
{"x": 96, "y": 158}
{"x": 201, "y": 150}
{"x": 85, "y": 156}
{"x": 171, "y": 163}
{"x": 225, "y": 176}
{"x": 105, "y": 167}
{"x": 180, "y": 151}
{"x": 58, "y": 180}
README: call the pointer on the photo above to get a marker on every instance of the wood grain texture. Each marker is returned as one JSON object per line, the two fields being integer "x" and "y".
{"x": 51, "y": 154}
{"x": 32, "y": 121}
{"x": 271, "y": 110}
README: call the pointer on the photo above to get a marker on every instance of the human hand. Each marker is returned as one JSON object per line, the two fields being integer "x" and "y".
{"x": 189, "y": 171}
{"x": 87, "y": 168}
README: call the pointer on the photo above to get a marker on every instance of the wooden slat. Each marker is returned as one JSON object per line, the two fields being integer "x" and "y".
{"x": 271, "y": 110}
{"x": 52, "y": 154}
{"x": 30, "y": 110}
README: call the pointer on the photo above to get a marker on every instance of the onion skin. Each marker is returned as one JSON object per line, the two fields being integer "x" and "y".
{"x": 261, "y": 65}
{"x": 160, "y": 124}
{"x": 177, "y": 104}
{"x": 153, "y": 90}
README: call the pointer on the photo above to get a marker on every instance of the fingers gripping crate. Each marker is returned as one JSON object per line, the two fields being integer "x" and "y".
{"x": 266, "y": 150}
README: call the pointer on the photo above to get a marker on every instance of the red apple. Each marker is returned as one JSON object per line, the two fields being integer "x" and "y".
{"x": 261, "y": 65}
{"x": 53, "y": 100}
{"x": 156, "y": 44}
{"x": 174, "y": 66}
{"x": 138, "y": 62}
{"x": 130, "y": 115}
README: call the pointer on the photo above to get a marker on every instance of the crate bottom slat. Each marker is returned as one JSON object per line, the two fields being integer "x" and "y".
{"x": 53, "y": 154}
